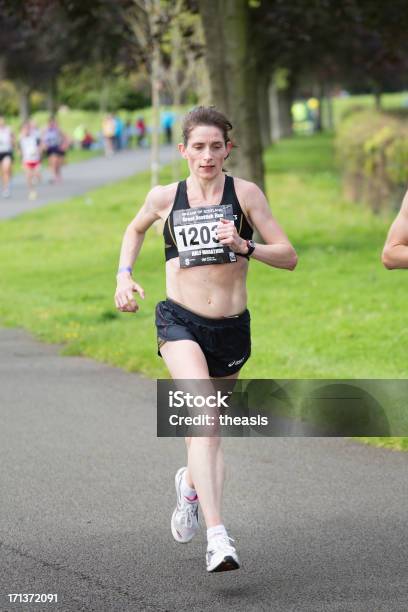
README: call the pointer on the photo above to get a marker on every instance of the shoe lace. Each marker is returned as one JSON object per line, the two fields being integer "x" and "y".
{"x": 188, "y": 513}
{"x": 222, "y": 541}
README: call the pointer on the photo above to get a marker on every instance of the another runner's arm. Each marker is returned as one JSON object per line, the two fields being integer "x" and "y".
{"x": 277, "y": 250}
{"x": 395, "y": 252}
{"x": 131, "y": 245}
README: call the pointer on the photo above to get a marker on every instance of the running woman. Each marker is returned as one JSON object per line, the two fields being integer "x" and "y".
{"x": 54, "y": 144}
{"x": 204, "y": 326}
{"x": 6, "y": 156}
{"x": 395, "y": 253}
{"x": 31, "y": 156}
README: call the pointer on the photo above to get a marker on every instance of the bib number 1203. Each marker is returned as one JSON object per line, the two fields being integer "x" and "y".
{"x": 198, "y": 236}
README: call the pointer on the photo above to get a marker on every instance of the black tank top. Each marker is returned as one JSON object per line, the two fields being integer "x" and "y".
{"x": 181, "y": 201}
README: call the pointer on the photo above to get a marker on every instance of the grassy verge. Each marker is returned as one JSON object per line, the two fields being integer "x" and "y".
{"x": 399, "y": 444}
{"x": 339, "y": 315}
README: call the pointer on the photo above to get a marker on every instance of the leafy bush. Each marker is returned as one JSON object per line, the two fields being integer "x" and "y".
{"x": 8, "y": 99}
{"x": 372, "y": 150}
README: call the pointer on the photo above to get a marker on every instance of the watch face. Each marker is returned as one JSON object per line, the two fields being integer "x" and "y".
{"x": 251, "y": 247}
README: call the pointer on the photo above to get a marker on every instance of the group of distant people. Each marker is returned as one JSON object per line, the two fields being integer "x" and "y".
{"x": 119, "y": 135}
{"x": 33, "y": 145}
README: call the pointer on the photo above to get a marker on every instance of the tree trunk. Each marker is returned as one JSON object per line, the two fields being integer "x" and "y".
{"x": 154, "y": 159}
{"x": 51, "y": 96}
{"x": 175, "y": 161}
{"x": 24, "y": 101}
{"x": 377, "y": 97}
{"x": 155, "y": 83}
{"x": 104, "y": 97}
{"x": 212, "y": 19}
{"x": 233, "y": 78}
{"x": 285, "y": 103}
{"x": 202, "y": 83}
{"x": 264, "y": 110}
{"x": 274, "y": 111}
{"x": 330, "y": 112}
{"x": 285, "y": 98}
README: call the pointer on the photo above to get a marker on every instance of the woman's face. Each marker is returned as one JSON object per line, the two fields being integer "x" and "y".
{"x": 205, "y": 151}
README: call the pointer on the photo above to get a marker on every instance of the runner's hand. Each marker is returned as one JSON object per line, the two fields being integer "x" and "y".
{"x": 124, "y": 299}
{"x": 227, "y": 234}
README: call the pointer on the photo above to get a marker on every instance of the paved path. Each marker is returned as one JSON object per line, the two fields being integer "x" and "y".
{"x": 79, "y": 178}
{"x": 87, "y": 494}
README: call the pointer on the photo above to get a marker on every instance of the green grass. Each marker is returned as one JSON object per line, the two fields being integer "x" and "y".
{"x": 399, "y": 444}
{"x": 338, "y": 315}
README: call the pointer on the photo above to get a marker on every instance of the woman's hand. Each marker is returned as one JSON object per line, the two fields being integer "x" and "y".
{"x": 227, "y": 234}
{"x": 125, "y": 289}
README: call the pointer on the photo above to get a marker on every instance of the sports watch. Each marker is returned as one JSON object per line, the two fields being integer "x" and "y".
{"x": 251, "y": 247}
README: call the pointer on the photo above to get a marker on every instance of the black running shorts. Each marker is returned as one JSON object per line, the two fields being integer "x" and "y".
{"x": 225, "y": 342}
{"x": 6, "y": 154}
{"x": 55, "y": 151}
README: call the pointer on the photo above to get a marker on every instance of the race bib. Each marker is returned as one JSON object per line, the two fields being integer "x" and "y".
{"x": 30, "y": 149}
{"x": 5, "y": 140}
{"x": 196, "y": 235}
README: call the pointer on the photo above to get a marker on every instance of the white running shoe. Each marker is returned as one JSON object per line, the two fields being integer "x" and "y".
{"x": 221, "y": 555}
{"x": 184, "y": 521}
{"x": 6, "y": 193}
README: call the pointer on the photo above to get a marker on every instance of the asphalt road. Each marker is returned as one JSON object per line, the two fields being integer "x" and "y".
{"x": 78, "y": 178}
{"x": 87, "y": 494}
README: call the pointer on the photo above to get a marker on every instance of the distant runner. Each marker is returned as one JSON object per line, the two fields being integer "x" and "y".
{"x": 54, "y": 144}
{"x": 6, "y": 156}
{"x": 29, "y": 144}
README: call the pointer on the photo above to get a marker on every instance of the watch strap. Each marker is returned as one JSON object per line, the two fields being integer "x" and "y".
{"x": 251, "y": 247}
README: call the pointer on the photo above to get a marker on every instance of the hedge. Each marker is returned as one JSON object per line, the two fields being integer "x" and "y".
{"x": 372, "y": 150}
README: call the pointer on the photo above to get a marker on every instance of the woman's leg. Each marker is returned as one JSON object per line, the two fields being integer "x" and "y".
{"x": 59, "y": 160}
{"x": 30, "y": 178}
{"x": 6, "y": 173}
{"x": 52, "y": 161}
{"x": 185, "y": 360}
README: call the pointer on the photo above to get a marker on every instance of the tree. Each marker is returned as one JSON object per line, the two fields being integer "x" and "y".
{"x": 232, "y": 70}
{"x": 40, "y": 37}
{"x": 329, "y": 42}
